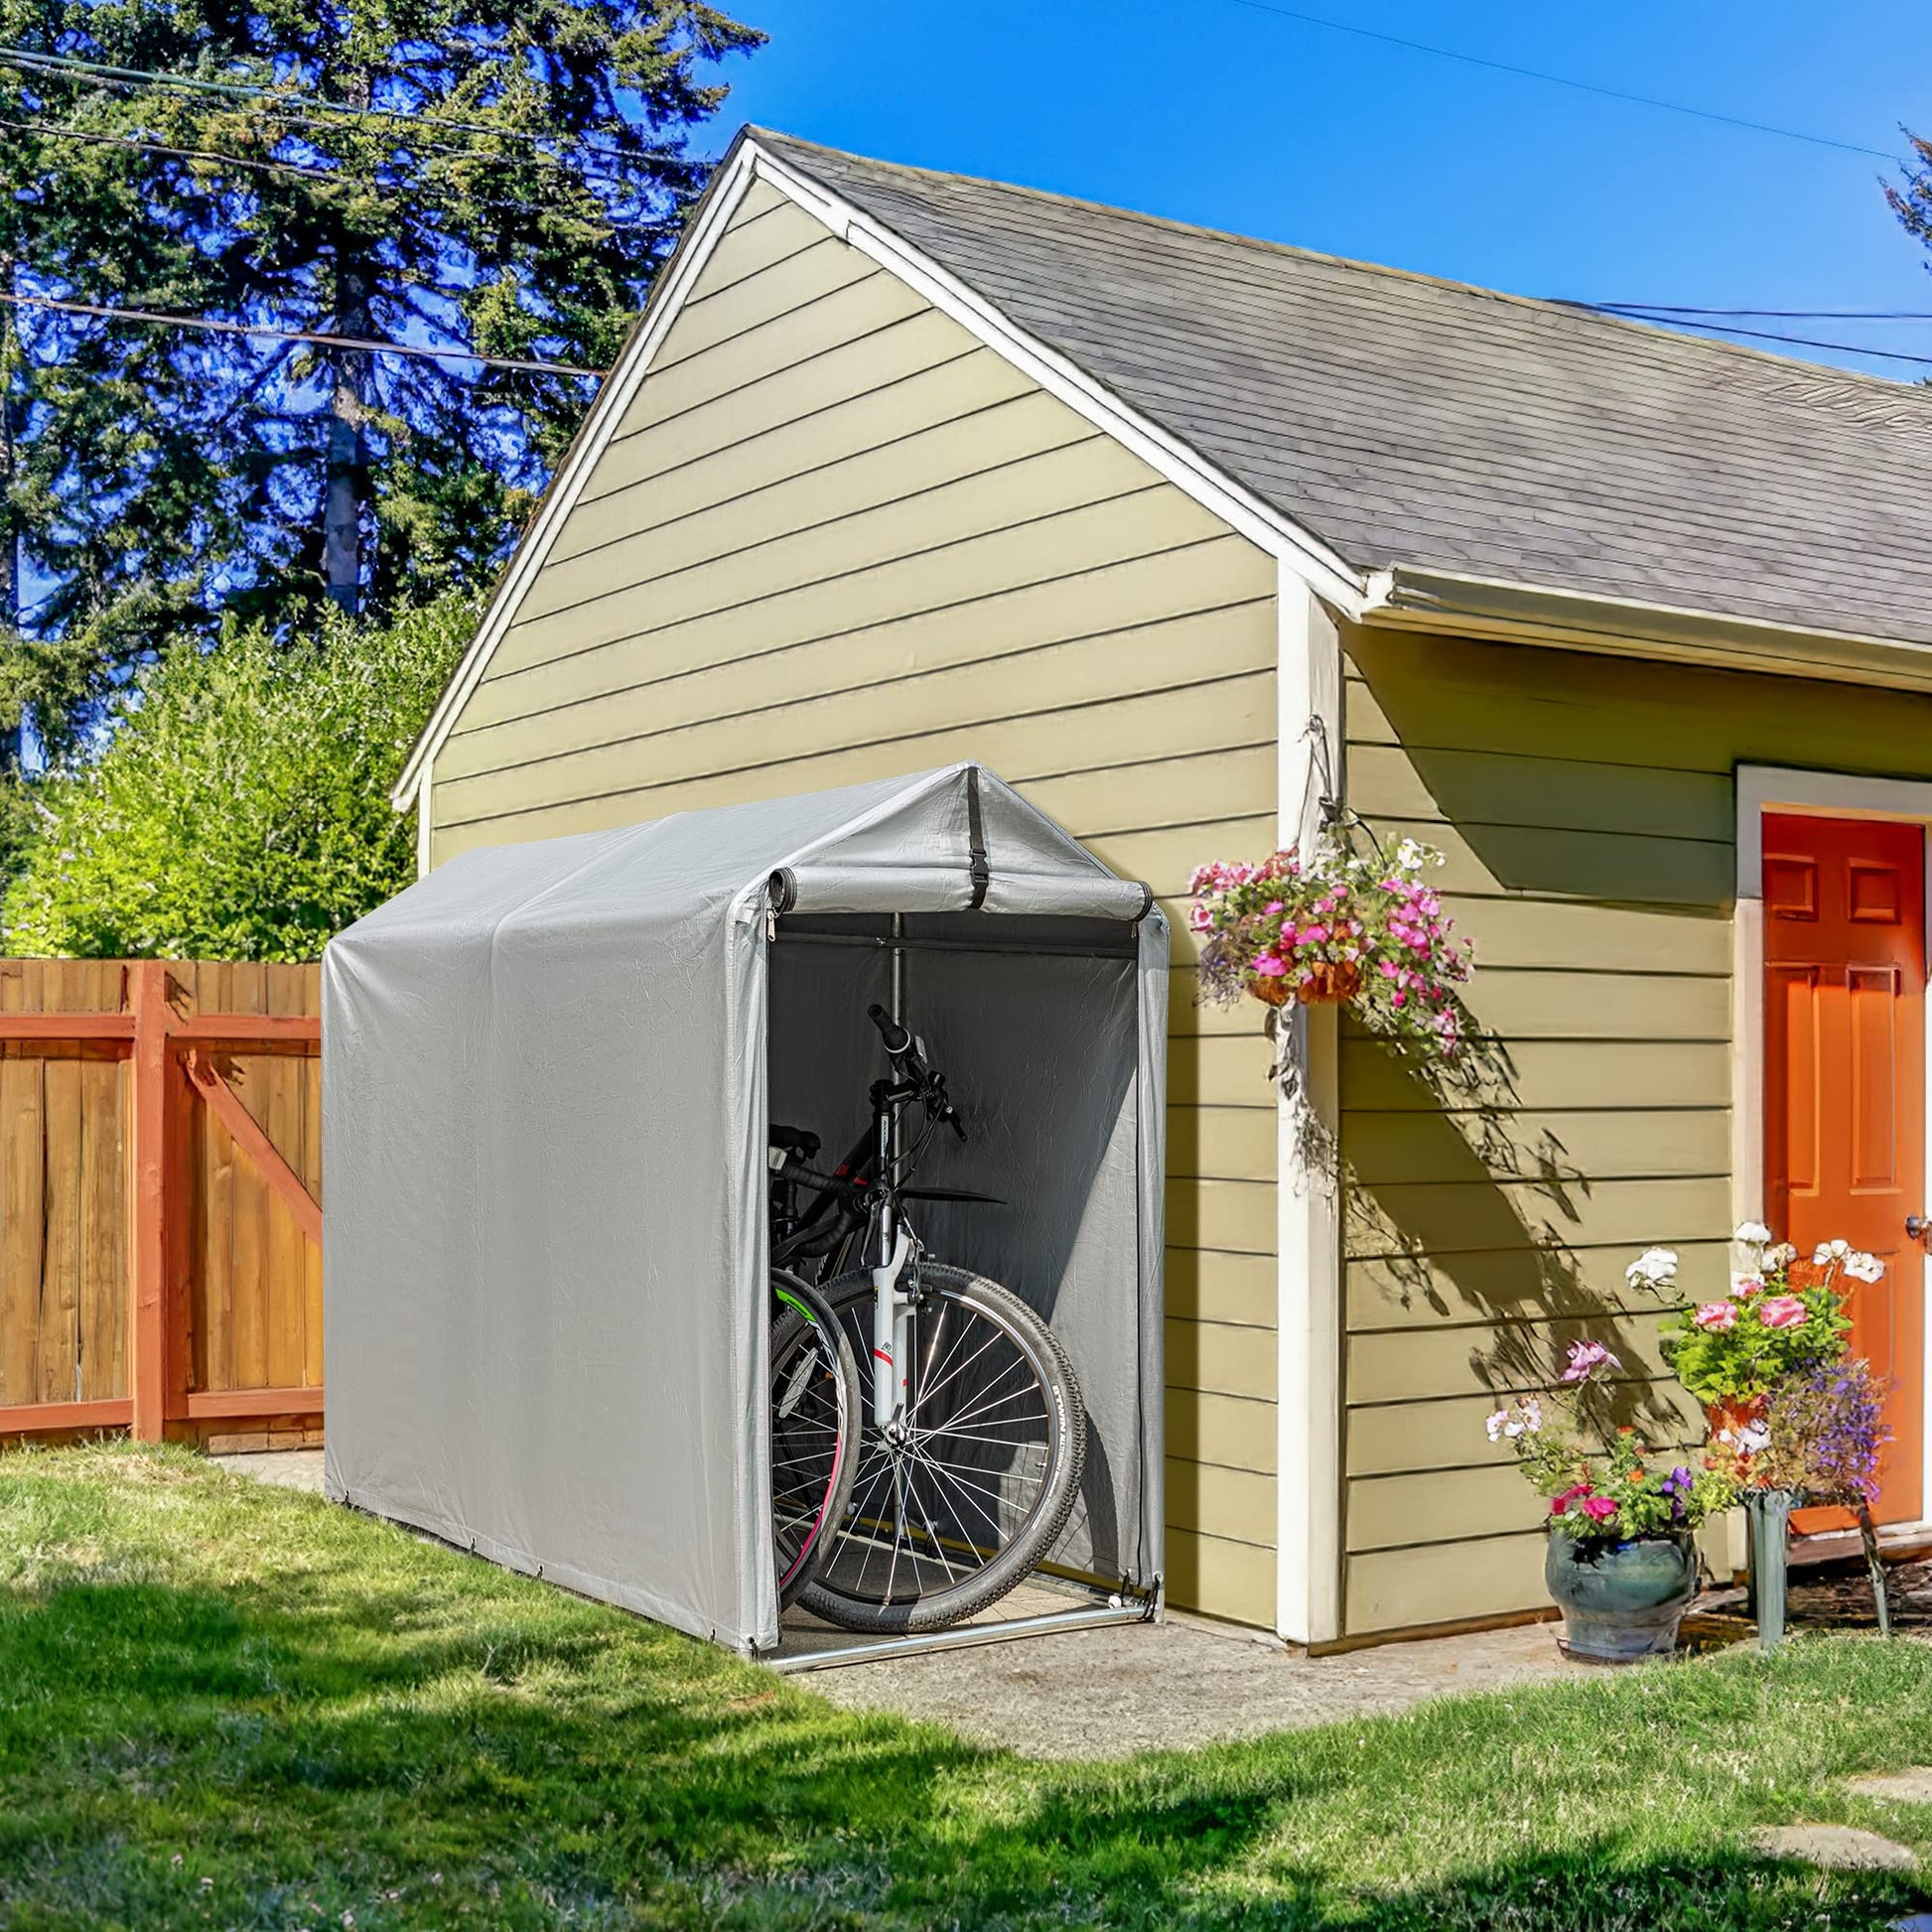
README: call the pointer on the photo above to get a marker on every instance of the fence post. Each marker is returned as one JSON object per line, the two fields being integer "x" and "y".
{"x": 148, "y": 1246}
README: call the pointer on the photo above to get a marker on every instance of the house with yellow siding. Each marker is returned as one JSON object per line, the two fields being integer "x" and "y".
{"x": 1192, "y": 538}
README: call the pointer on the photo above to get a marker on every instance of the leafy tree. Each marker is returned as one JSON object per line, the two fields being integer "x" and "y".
{"x": 440, "y": 171}
{"x": 240, "y": 809}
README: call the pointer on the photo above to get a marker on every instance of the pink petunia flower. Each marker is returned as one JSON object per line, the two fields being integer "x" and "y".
{"x": 1601, "y": 1508}
{"x": 1781, "y": 1311}
{"x": 1267, "y": 967}
{"x": 1716, "y": 1314}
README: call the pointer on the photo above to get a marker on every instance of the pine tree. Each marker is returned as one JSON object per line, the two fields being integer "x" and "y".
{"x": 499, "y": 179}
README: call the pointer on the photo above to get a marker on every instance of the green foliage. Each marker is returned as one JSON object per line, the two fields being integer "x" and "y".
{"x": 228, "y": 1706}
{"x": 1784, "y": 1319}
{"x": 505, "y": 180}
{"x": 240, "y": 809}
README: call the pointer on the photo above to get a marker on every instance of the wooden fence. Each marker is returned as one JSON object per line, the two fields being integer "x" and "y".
{"x": 160, "y": 1196}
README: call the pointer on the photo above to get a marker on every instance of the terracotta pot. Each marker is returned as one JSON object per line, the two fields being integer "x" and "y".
{"x": 1621, "y": 1601}
{"x": 1332, "y": 984}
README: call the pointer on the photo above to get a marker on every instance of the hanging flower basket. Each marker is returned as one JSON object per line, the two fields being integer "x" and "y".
{"x": 1336, "y": 927}
{"x": 1325, "y": 985}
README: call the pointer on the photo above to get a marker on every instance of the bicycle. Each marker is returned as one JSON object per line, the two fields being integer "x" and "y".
{"x": 974, "y": 1437}
{"x": 815, "y": 1402}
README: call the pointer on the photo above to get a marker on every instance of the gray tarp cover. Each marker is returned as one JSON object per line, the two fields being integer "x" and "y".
{"x": 547, "y": 1069}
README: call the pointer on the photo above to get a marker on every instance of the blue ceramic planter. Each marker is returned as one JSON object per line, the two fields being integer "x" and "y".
{"x": 1621, "y": 1601}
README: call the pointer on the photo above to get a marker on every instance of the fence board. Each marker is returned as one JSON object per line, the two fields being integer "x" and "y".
{"x": 104, "y": 1230}
{"x": 57, "y": 1369}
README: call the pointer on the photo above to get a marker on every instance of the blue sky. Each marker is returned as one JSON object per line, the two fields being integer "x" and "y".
{"x": 1220, "y": 114}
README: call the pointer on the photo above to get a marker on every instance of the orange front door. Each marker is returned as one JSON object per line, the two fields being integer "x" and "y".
{"x": 1845, "y": 1086}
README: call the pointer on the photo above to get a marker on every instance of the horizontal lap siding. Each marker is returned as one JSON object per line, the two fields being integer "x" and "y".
{"x": 1586, "y": 805}
{"x": 835, "y": 538}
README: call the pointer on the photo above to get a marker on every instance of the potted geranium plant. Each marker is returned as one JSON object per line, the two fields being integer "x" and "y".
{"x": 1785, "y": 1317}
{"x": 1335, "y": 925}
{"x": 1619, "y": 1559}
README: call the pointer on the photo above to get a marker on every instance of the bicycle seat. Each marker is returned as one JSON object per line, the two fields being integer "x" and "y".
{"x": 792, "y": 1140}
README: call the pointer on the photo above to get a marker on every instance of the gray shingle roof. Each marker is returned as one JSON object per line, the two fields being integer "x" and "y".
{"x": 1410, "y": 421}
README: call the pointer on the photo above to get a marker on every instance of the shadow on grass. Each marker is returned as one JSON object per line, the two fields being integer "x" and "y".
{"x": 377, "y": 1728}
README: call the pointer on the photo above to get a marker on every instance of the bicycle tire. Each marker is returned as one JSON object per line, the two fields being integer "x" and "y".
{"x": 816, "y": 1398}
{"x": 844, "y": 1588}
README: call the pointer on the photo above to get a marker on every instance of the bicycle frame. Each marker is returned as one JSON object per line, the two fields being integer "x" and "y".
{"x": 888, "y": 1247}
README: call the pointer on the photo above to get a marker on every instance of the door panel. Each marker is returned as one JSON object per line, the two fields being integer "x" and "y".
{"x": 1845, "y": 1087}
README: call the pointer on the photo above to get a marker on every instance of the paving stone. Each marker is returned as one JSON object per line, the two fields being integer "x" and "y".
{"x": 1911, "y": 1787}
{"x": 1833, "y": 1847}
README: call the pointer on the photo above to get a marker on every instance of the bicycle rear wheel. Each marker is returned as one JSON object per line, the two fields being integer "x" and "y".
{"x": 971, "y": 1489}
{"x": 815, "y": 1397}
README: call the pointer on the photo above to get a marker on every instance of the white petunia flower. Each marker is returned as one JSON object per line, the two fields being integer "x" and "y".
{"x": 1754, "y": 1438}
{"x": 1652, "y": 1269}
{"x": 1827, "y": 1250}
{"x": 1863, "y": 1267}
{"x": 1753, "y": 1234}
{"x": 1496, "y": 1423}
{"x": 1409, "y": 855}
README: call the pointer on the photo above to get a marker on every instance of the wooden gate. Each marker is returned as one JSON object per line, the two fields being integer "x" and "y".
{"x": 160, "y": 1197}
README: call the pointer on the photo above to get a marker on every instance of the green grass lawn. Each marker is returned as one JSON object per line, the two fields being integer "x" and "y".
{"x": 229, "y": 1706}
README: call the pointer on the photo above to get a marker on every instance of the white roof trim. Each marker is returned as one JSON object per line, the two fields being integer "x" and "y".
{"x": 1304, "y": 554}
{"x": 1414, "y": 598}
{"x": 1322, "y": 569}
{"x": 606, "y": 411}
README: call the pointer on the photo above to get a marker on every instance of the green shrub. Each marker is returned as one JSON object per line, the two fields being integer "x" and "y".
{"x": 238, "y": 808}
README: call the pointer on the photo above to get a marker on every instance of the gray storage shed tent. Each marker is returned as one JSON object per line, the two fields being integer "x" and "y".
{"x": 548, "y": 1070}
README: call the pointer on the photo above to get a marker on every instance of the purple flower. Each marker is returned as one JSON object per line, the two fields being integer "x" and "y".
{"x": 1585, "y": 1358}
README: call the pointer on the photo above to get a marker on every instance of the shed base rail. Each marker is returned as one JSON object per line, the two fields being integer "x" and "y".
{"x": 1123, "y": 1608}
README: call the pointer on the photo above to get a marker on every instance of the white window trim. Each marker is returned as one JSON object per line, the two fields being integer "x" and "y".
{"x": 1820, "y": 794}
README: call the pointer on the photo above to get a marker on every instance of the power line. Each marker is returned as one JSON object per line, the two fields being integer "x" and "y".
{"x": 326, "y": 177}
{"x": 129, "y": 80}
{"x": 72, "y": 64}
{"x": 1563, "y": 80}
{"x": 1689, "y": 321}
{"x": 114, "y": 313}
{"x": 1775, "y": 314}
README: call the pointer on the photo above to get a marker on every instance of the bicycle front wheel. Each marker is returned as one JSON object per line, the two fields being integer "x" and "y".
{"x": 972, "y": 1485}
{"x": 815, "y": 1397}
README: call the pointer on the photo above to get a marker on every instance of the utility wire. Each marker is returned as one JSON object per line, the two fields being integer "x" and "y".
{"x": 289, "y": 118}
{"x": 73, "y": 65}
{"x": 1562, "y": 79}
{"x": 327, "y": 177}
{"x": 116, "y": 313}
{"x": 1775, "y": 314}
{"x": 1689, "y": 321}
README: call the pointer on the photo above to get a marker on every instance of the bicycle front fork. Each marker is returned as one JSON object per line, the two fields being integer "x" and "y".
{"x": 891, "y": 1333}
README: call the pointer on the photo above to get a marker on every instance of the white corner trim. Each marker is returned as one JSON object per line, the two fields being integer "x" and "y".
{"x": 1824, "y": 794}
{"x": 424, "y": 792}
{"x": 605, "y": 414}
{"x": 1317, "y": 566}
{"x": 1307, "y": 1200}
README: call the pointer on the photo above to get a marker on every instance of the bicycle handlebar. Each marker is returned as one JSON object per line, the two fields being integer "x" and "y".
{"x": 903, "y": 1048}
{"x": 898, "y": 1038}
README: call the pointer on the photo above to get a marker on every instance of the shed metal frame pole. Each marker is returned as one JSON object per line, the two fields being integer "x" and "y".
{"x": 898, "y": 969}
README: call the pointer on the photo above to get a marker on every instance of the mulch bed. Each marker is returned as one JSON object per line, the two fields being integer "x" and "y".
{"x": 1835, "y": 1596}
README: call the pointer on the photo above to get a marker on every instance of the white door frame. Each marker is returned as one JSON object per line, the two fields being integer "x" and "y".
{"x": 1819, "y": 795}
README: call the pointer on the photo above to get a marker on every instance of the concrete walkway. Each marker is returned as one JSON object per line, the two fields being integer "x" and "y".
{"x": 1144, "y": 1687}
{"x": 1116, "y": 1689}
